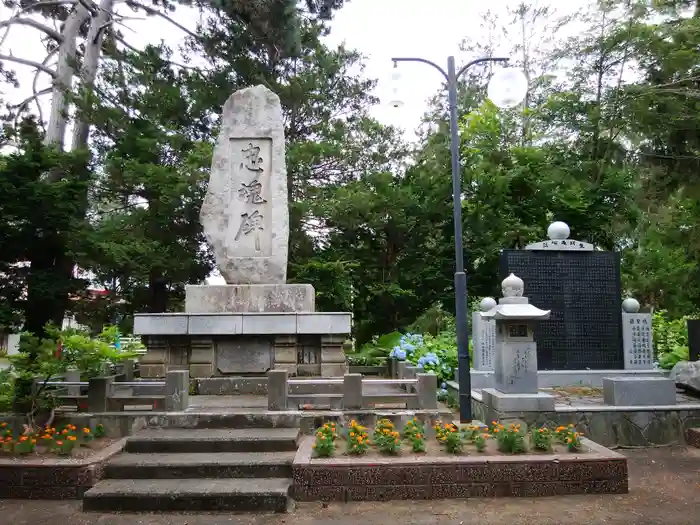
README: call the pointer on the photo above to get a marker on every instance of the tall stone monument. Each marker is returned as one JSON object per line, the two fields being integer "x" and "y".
{"x": 256, "y": 321}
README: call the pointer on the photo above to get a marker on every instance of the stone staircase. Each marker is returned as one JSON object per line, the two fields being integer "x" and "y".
{"x": 202, "y": 469}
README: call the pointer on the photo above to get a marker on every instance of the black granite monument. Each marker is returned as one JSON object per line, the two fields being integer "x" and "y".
{"x": 581, "y": 287}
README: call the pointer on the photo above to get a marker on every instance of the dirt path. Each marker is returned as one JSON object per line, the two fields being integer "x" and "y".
{"x": 665, "y": 490}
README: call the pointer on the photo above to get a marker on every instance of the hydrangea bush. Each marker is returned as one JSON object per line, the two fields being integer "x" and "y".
{"x": 437, "y": 354}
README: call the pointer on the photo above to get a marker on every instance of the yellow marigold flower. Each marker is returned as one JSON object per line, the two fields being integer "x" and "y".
{"x": 313, "y": 446}
{"x": 86, "y": 430}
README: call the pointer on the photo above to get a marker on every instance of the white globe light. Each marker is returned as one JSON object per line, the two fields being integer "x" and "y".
{"x": 395, "y": 100}
{"x": 508, "y": 87}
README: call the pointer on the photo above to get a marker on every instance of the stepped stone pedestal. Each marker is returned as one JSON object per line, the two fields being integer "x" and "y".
{"x": 515, "y": 360}
{"x": 257, "y": 321}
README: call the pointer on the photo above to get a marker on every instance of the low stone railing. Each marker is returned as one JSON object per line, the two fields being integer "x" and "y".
{"x": 105, "y": 394}
{"x": 420, "y": 394}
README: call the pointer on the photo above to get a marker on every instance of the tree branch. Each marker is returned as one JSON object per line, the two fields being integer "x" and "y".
{"x": 17, "y": 20}
{"x": 30, "y": 63}
{"x": 154, "y": 12}
{"x": 19, "y": 107}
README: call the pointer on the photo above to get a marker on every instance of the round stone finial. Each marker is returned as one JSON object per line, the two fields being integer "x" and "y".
{"x": 487, "y": 303}
{"x": 630, "y": 305}
{"x": 512, "y": 286}
{"x": 558, "y": 231}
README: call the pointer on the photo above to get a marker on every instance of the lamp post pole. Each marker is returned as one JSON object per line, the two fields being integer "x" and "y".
{"x": 460, "y": 280}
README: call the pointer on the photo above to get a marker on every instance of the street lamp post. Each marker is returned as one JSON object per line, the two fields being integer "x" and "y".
{"x": 512, "y": 84}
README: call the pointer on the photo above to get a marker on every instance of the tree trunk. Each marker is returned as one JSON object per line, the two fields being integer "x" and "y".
{"x": 158, "y": 293}
{"x": 46, "y": 290}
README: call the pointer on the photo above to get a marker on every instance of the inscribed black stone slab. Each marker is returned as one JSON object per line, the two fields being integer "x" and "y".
{"x": 582, "y": 289}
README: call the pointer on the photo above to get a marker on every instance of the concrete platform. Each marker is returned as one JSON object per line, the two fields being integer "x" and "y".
{"x": 564, "y": 378}
{"x": 260, "y": 323}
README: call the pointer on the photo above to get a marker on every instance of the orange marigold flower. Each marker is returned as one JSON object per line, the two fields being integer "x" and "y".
{"x": 396, "y": 441}
{"x": 33, "y": 441}
{"x": 86, "y": 430}
{"x": 352, "y": 434}
{"x": 71, "y": 438}
{"x": 23, "y": 438}
{"x": 3, "y": 424}
{"x": 418, "y": 436}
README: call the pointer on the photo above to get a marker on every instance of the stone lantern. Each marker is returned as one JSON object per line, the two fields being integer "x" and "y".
{"x": 515, "y": 360}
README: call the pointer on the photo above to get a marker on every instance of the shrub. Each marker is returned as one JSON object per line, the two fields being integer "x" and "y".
{"x": 542, "y": 439}
{"x": 670, "y": 339}
{"x": 573, "y": 441}
{"x": 480, "y": 442}
{"x": 449, "y": 436}
{"x": 386, "y": 438}
{"x": 562, "y": 432}
{"x": 510, "y": 440}
{"x": 49, "y": 439}
{"x": 417, "y": 441}
{"x": 357, "y": 439}
{"x": 411, "y": 428}
{"x": 325, "y": 440}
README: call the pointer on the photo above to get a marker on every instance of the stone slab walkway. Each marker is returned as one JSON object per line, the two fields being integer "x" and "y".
{"x": 664, "y": 489}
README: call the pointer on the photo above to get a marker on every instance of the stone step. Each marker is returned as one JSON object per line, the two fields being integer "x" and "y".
{"x": 164, "y": 495}
{"x": 239, "y": 417}
{"x": 213, "y": 440}
{"x": 201, "y": 465}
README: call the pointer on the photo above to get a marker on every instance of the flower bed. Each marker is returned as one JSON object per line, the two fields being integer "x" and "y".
{"x": 56, "y": 463}
{"x": 384, "y": 464}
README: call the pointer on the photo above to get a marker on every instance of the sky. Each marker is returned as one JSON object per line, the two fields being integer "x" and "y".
{"x": 379, "y": 29}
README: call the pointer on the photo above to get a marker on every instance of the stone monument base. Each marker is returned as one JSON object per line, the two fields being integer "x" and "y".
{"x": 639, "y": 391}
{"x": 235, "y": 344}
{"x": 500, "y": 402}
{"x": 239, "y": 298}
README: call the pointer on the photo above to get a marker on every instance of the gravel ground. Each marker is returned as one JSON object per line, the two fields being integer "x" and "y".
{"x": 664, "y": 490}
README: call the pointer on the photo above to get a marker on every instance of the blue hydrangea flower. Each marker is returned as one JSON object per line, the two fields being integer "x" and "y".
{"x": 398, "y": 353}
{"x": 443, "y": 386}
